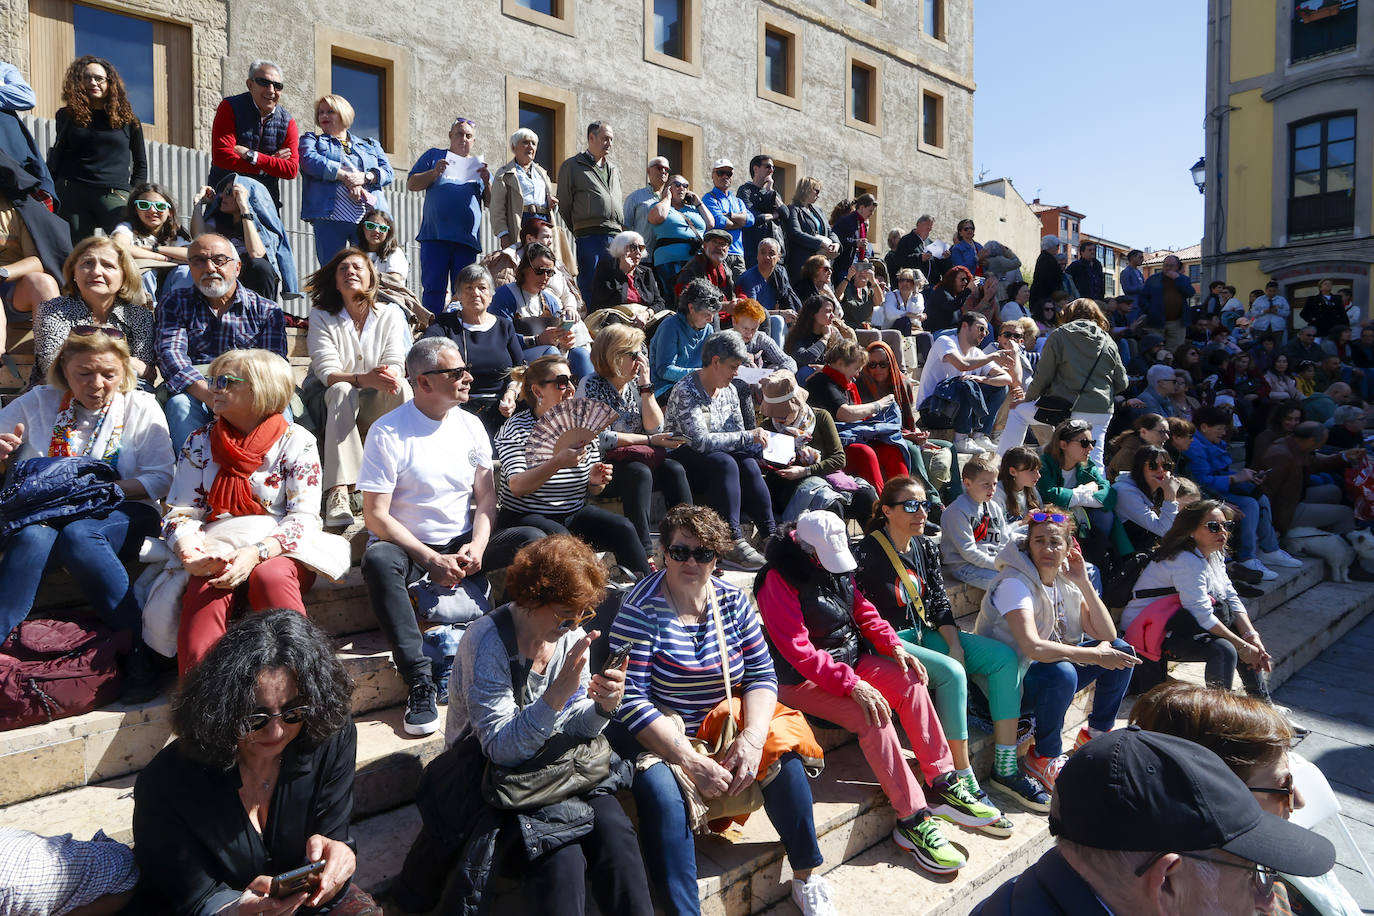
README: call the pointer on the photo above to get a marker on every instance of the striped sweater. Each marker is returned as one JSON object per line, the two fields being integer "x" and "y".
{"x": 678, "y": 668}
{"x": 562, "y": 494}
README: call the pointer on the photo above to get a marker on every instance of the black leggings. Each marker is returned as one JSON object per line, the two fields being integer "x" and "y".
{"x": 1188, "y": 642}
{"x": 634, "y": 482}
{"x": 603, "y": 530}
{"x": 731, "y": 484}
{"x": 556, "y": 882}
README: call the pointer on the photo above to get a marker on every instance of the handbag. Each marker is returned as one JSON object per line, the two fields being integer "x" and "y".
{"x": 1052, "y": 410}
{"x": 938, "y": 412}
{"x": 566, "y": 766}
{"x": 651, "y": 455}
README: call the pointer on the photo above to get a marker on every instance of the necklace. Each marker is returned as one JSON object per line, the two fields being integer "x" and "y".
{"x": 265, "y": 783}
{"x": 697, "y": 632}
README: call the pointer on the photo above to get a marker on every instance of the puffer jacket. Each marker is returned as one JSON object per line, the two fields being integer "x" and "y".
{"x": 827, "y": 602}
{"x": 1066, "y": 361}
{"x": 52, "y": 489}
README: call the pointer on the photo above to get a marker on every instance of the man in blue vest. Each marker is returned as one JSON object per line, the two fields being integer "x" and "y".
{"x": 253, "y": 135}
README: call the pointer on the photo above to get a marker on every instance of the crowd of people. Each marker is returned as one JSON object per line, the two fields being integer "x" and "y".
{"x": 770, "y": 372}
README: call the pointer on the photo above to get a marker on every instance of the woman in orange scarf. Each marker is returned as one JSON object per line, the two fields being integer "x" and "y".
{"x": 248, "y": 461}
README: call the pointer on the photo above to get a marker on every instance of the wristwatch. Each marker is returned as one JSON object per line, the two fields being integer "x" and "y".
{"x": 4, "y": 274}
{"x": 249, "y": 216}
{"x": 264, "y": 553}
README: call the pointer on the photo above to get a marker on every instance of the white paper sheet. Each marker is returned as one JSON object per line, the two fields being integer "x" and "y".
{"x": 462, "y": 168}
{"x": 937, "y": 249}
{"x": 781, "y": 448}
{"x": 751, "y": 376}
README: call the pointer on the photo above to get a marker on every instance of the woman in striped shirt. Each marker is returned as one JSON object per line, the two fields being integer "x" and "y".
{"x": 676, "y": 667}
{"x": 553, "y": 496}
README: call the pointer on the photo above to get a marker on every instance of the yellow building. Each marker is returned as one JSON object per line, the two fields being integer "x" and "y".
{"x": 1290, "y": 145}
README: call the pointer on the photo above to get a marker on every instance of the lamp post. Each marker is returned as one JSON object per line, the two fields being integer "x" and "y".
{"x": 1199, "y": 173}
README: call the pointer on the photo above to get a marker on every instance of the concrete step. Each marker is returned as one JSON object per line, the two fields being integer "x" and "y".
{"x": 106, "y": 743}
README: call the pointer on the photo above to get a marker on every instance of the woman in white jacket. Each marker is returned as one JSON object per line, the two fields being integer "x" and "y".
{"x": 904, "y": 306}
{"x": 1147, "y": 497}
{"x": 357, "y": 357}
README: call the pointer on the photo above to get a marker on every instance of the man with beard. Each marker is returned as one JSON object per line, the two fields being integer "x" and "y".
{"x": 196, "y": 324}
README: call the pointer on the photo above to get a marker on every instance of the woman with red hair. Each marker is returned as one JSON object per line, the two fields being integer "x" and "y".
{"x": 931, "y": 460}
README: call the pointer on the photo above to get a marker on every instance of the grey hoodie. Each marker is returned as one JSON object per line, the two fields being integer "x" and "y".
{"x": 958, "y": 546}
{"x": 1013, "y": 562}
{"x": 1065, "y": 361}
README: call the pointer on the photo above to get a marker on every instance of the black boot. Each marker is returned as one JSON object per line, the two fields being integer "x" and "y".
{"x": 140, "y": 676}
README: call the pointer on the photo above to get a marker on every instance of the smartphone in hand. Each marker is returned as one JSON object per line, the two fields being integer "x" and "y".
{"x": 305, "y": 878}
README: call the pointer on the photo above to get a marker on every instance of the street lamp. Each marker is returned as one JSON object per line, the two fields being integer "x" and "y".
{"x": 1199, "y": 173}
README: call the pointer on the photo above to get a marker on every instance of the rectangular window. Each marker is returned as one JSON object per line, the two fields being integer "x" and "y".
{"x": 125, "y": 42}
{"x": 1322, "y": 27}
{"x": 674, "y": 150}
{"x": 544, "y": 122}
{"x": 681, "y": 142}
{"x": 1321, "y": 195}
{"x": 861, "y": 80}
{"x": 933, "y": 19}
{"x": 365, "y": 88}
{"x": 932, "y": 120}
{"x": 546, "y": 7}
{"x": 669, "y": 21}
{"x": 558, "y": 15}
{"x": 777, "y": 55}
{"x": 779, "y": 60}
{"x": 672, "y": 34}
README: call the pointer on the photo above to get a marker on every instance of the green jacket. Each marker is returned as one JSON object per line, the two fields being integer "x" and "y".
{"x": 587, "y": 202}
{"x": 1052, "y": 491}
{"x": 1064, "y": 363}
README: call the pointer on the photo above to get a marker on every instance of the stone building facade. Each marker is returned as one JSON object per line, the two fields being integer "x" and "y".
{"x": 866, "y": 95}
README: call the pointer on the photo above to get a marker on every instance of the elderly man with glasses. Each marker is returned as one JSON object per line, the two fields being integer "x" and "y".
{"x": 194, "y": 325}
{"x": 253, "y": 135}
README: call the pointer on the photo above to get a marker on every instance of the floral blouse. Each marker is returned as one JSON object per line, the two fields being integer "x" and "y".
{"x": 626, "y": 401}
{"x": 710, "y": 424}
{"x": 287, "y": 485}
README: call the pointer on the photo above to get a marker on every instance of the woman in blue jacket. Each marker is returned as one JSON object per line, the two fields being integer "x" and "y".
{"x": 343, "y": 177}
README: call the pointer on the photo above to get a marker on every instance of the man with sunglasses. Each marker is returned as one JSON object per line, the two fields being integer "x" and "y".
{"x": 253, "y": 135}
{"x": 729, "y": 212}
{"x": 763, "y": 201}
{"x": 429, "y": 499}
{"x": 1147, "y": 823}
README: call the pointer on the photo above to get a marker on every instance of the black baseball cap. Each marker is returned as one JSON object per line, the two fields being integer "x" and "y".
{"x": 1141, "y": 791}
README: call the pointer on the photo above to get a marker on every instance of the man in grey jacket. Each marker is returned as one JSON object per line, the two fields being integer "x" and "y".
{"x": 589, "y": 200}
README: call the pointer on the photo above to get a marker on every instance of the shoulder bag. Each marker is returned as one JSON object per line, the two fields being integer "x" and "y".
{"x": 913, "y": 591}
{"x": 1052, "y": 410}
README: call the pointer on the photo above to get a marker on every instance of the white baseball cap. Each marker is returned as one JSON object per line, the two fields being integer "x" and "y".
{"x": 826, "y": 534}
{"x": 722, "y": 164}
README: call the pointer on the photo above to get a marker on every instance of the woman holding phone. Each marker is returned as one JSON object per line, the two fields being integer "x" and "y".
{"x": 546, "y": 326}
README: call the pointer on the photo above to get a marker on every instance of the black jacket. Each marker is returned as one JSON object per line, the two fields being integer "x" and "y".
{"x": 827, "y": 604}
{"x": 1047, "y": 280}
{"x": 880, "y": 584}
{"x": 762, "y": 203}
{"x": 1050, "y": 887}
{"x": 610, "y": 285}
{"x": 1323, "y": 313}
{"x": 806, "y": 232}
{"x": 1087, "y": 276}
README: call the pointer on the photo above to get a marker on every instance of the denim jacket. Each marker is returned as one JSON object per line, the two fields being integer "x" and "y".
{"x": 272, "y": 233}
{"x": 321, "y": 157}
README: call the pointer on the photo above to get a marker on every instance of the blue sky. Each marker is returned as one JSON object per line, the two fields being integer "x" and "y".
{"x": 1100, "y": 107}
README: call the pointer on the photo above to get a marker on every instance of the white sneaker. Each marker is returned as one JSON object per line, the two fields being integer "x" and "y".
{"x": 1255, "y": 564}
{"x": 812, "y": 897}
{"x": 1280, "y": 558}
{"x": 966, "y": 445}
{"x": 337, "y": 511}
{"x": 984, "y": 443}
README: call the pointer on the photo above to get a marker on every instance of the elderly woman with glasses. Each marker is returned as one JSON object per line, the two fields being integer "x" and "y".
{"x": 248, "y": 461}
{"x": 89, "y": 409}
{"x": 547, "y": 326}
{"x": 677, "y": 670}
{"x": 520, "y": 186}
{"x": 101, "y": 288}
{"x": 680, "y": 220}
{"x": 624, "y": 279}
{"x": 342, "y": 176}
{"x": 1043, "y": 605}
{"x": 259, "y": 780}
{"x": 552, "y": 496}
{"x": 675, "y": 350}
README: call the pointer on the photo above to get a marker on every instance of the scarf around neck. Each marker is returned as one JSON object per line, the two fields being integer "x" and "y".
{"x": 239, "y": 455}
{"x": 105, "y": 439}
{"x": 845, "y": 383}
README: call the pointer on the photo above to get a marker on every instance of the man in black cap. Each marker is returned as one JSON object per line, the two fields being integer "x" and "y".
{"x": 1153, "y": 824}
{"x": 710, "y": 264}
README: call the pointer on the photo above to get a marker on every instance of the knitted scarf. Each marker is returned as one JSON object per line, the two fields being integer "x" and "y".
{"x": 238, "y": 455}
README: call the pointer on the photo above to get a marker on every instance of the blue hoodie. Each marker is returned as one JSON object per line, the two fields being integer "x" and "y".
{"x": 1209, "y": 464}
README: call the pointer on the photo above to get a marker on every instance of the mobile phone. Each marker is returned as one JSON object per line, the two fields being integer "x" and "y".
{"x": 617, "y": 658}
{"x": 569, "y": 324}
{"x": 305, "y": 878}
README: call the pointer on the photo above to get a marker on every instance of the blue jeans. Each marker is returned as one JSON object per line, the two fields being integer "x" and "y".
{"x": 776, "y": 328}
{"x": 966, "y": 420}
{"x": 579, "y": 358}
{"x": 440, "y": 263}
{"x": 331, "y": 237}
{"x": 993, "y": 396}
{"x": 1047, "y": 689}
{"x": 92, "y": 550}
{"x": 1256, "y": 528}
{"x": 590, "y": 250}
{"x": 185, "y": 415}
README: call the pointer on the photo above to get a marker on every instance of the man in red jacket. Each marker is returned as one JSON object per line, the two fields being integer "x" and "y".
{"x": 253, "y": 135}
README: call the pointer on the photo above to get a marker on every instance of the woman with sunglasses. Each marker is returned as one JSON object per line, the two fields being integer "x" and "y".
{"x": 553, "y": 496}
{"x": 964, "y": 250}
{"x": 1255, "y": 740}
{"x": 154, "y": 234}
{"x": 1188, "y": 610}
{"x": 1147, "y": 497}
{"x": 677, "y": 669}
{"x": 553, "y": 587}
{"x": 1146, "y": 429}
{"x": 90, "y": 408}
{"x": 624, "y": 280}
{"x": 102, "y": 291}
{"x": 904, "y": 307}
{"x": 1043, "y": 605}
{"x": 546, "y": 326}
{"x": 680, "y": 220}
{"x": 342, "y": 176}
{"x": 817, "y": 279}
{"x": 833, "y": 390}
{"x": 931, "y": 460}
{"x": 1071, "y": 480}
{"x": 248, "y": 461}
{"x": 899, "y": 572}
{"x": 258, "y": 781}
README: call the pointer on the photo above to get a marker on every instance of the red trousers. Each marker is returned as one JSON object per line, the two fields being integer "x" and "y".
{"x": 275, "y": 583}
{"x": 875, "y": 462}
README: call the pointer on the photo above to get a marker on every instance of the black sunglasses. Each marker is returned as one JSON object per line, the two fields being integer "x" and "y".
{"x": 544, "y": 271}
{"x": 1010, "y": 336}
{"x": 1285, "y": 790}
{"x": 1217, "y": 527}
{"x": 879, "y": 365}
{"x": 681, "y": 553}
{"x": 562, "y": 381}
{"x": 1056, "y": 518}
{"x": 574, "y": 619}
{"x": 1086, "y": 443}
{"x": 257, "y": 721}
{"x": 456, "y": 373}
{"x": 912, "y": 506}
{"x": 264, "y": 82}
{"x": 86, "y": 330}
{"x": 1156, "y": 465}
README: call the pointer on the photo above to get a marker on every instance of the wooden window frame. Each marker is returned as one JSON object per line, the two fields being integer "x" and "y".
{"x": 393, "y": 60}
{"x": 942, "y": 148}
{"x": 942, "y": 16}
{"x": 693, "y": 139}
{"x": 772, "y": 23}
{"x": 568, "y": 139}
{"x": 872, "y": 6}
{"x": 564, "y": 23}
{"x": 872, "y": 62}
{"x": 692, "y": 13}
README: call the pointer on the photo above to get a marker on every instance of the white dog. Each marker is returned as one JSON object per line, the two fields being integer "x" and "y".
{"x": 1313, "y": 542}
{"x": 1362, "y": 539}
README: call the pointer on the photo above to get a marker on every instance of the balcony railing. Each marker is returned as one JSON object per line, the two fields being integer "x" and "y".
{"x": 1321, "y": 214}
{"x": 1322, "y": 30}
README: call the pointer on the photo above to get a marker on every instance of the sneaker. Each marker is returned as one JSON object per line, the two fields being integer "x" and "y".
{"x": 422, "y": 714}
{"x": 1000, "y": 827}
{"x": 1044, "y": 770}
{"x": 1299, "y": 731}
{"x": 1025, "y": 731}
{"x": 1084, "y": 736}
{"x": 1027, "y": 791}
{"x": 338, "y": 512}
{"x": 140, "y": 677}
{"x": 1240, "y": 573}
{"x": 927, "y": 843}
{"x": 812, "y": 897}
{"x": 1247, "y": 591}
{"x": 952, "y": 801}
{"x": 966, "y": 445}
{"x": 1280, "y": 558}
{"x": 1254, "y": 564}
{"x": 743, "y": 556}
{"x": 440, "y": 672}
{"x": 984, "y": 443}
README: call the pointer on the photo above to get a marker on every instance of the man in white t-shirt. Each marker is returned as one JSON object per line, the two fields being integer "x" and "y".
{"x": 429, "y": 499}
{"x": 959, "y": 355}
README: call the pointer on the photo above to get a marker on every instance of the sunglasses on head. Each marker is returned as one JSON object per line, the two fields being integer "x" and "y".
{"x": 222, "y": 382}
{"x": 467, "y": 121}
{"x": 86, "y": 330}
{"x": 456, "y": 373}
{"x": 544, "y": 271}
{"x": 1217, "y": 527}
{"x": 293, "y": 716}
{"x": 681, "y": 553}
{"x": 912, "y": 506}
{"x": 1160, "y": 465}
{"x": 571, "y": 620}
{"x": 1056, "y": 518}
{"x": 370, "y": 226}
{"x": 264, "y": 82}
{"x": 560, "y": 381}
{"x": 161, "y": 206}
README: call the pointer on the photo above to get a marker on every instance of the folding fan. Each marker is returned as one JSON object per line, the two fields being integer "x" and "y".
{"x": 573, "y": 422}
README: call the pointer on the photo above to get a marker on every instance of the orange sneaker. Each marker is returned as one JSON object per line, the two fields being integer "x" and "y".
{"x": 1044, "y": 769}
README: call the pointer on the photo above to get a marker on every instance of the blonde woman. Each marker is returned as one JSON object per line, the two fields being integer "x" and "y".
{"x": 342, "y": 176}
{"x": 807, "y": 231}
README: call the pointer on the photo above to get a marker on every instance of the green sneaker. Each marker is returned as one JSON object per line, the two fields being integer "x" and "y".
{"x": 1000, "y": 827}
{"x": 928, "y": 845}
{"x": 952, "y": 800}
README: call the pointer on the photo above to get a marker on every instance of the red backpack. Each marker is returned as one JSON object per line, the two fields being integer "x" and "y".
{"x": 52, "y": 668}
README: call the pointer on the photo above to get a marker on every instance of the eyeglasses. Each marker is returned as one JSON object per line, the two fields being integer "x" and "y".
{"x": 571, "y": 620}
{"x": 454, "y": 374}
{"x": 1217, "y": 527}
{"x": 1055, "y": 518}
{"x": 201, "y": 261}
{"x": 86, "y": 330}
{"x": 681, "y": 553}
{"x": 1085, "y": 443}
{"x": 560, "y": 381}
{"x": 767, "y": 166}
{"x": 879, "y": 365}
{"x": 680, "y": 184}
{"x": 726, "y": 172}
{"x": 294, "y": 716}
{"x": 222, "y": 382}
{"x": 264, "y": 82}
{"x": 1010, "y": 336}
{"x": 544, "y": 271}
{"x": 161, "y": 206}
{"x": 1160, "y": 465}
{"x": 1263, "y": 876}
{"x": 826, "y": 267}
{"x": 912, "y": 506}
{"x": 98, "y": 80}
{"x": 639, "y": 248}
{"x": 370, "y": 226}
{"x": 1285, "y": 790}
